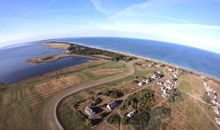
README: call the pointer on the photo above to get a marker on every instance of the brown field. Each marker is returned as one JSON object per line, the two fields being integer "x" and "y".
{"x": 106, "y": 71}
{"x": 50, "y": 87}
{"x": 58, "y": 45}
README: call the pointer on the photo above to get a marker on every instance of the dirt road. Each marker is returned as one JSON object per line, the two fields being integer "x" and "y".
{"x": 49, "y": 115}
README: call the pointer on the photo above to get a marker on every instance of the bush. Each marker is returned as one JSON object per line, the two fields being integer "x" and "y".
{"x": 154, "y": 124}
{"x": 114, "y": 93}
{"x": 142, "y": 100}
{"x": 160, "y": 112}
{"x": 139, "y": 121}
{"x": 175, "y": 95}
{"x": 114, "y": 119}
{"x": 70, "y": 119}
{"x": 155, "y": 117}
{"x": 104, "y": 114}
{"x": 97, "y": 101}
{"x": 206, "y": 98}
{"x": 88, "y": 123}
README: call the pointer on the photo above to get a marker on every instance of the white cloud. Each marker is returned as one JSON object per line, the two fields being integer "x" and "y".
{"x": 98, "y": 6}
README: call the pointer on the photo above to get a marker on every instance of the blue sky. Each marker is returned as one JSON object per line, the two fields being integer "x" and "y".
{"x": 189, "y": 22}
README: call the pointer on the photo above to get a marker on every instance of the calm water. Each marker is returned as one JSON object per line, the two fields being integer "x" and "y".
{"x": 187, "y": 57}
{"x": 14, "y": 66}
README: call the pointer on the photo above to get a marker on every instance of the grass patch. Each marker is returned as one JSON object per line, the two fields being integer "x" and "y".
{"x": 144, "y": 73}
{"x": 114, "y": 119}
{"x": 111, "y": 65}
{"x": 70, "y": 119}
{"x": 196, "y": 118}
{"x": 185, "y": 86}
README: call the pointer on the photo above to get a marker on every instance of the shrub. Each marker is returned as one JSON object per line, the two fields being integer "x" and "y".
{"x": 114, "y": 119}
{"x": 142, "y": 100}
{"x": 139, "y": 121}
{"x": 114, "y": 93}
{"x": 175, "y": 95}
{"x": 97, "y": 101}
{"x": 160, "y": 112}
{"x": 206, "y": 98}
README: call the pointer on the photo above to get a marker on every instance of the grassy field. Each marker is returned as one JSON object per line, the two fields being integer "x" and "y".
{"x": 21, "y": 104}
{"x": 67, "y": 116}
{"x": 107, "y": 70}
{"x": 185, "y": 86}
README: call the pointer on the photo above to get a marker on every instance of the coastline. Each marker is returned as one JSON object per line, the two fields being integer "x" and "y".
{"x": 52, "y": 58}
{"x": 150, "y": 59}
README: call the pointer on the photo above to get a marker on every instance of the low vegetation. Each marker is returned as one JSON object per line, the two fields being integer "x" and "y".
{"x": 156, "y": 115}
{"x": 175, "y": 95}
{"x": 185, "y": 86}
{"x": 114, "y": 119}
{"x": 115, "y": 93}
{"x": 148, "y": 119}
{"x": 72, "y": 120}
{"x": 82, "y": 50}
{"x": 142, "y": 100}
{"x": 206, "y": 98}
{"x": 138, "y": 121}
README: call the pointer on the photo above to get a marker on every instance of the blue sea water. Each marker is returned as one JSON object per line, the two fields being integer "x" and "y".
{"x": 184, "y": 56}
{"x": 14, "y": 66}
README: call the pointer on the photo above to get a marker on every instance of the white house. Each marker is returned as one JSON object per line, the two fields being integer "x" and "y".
{"x": 217, "y": 120}
{"x": 89, "y": 111}
{"x": 140, "y": 84}
{"x": 130, "y": 114}
{"x": 112, "y": 105}
{"x": 216, "y": 110}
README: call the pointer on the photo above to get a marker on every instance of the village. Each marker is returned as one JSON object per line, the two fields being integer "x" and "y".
{"x": 213, "y": 100}
{"x": 101, "y": 106}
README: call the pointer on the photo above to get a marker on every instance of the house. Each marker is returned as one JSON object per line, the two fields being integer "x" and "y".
{"x": 170, "y": 69}
{"x": 148, "y": 80}
{"x": 157, "y": 75}
{"x": 217, "y": 120}
{"x": 216, "y": 110}
{"x": 89, "y": 111}
{"x": 141, "y": 84}
{"x": 160, "y": 83}
{"x": 174, "y": 75}
{"x": 112, "y": 105}
{"x": 130, "y": 114}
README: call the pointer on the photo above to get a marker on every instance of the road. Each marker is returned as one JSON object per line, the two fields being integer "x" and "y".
{"x": 49, "y": 114}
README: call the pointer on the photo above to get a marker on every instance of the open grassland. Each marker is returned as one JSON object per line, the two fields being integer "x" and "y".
{"x": 185, "y": 86}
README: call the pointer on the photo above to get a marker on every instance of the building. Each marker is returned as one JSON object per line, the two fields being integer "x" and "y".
{"x": 89, "y": 111}
{"x": 216, "y": 110}
{"x": 157, "y": 75}
{"x": 148, "y": 80}
{"x": 112, "y": 105}
{"x": 141, "y": 84}
{"x": 217, "y": 120}
{"x": 130, "y": 114}
{"x": 160, "y": 83}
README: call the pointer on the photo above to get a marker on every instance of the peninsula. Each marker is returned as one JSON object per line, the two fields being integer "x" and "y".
{"x": 113, "y": 91}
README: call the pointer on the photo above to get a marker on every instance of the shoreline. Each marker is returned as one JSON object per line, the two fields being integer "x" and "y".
{"x": 150, "y": 59}
{"x": 55, "y": 57}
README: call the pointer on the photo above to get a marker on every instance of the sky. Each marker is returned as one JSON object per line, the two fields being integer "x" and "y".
{"x": 193, "y": 23}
